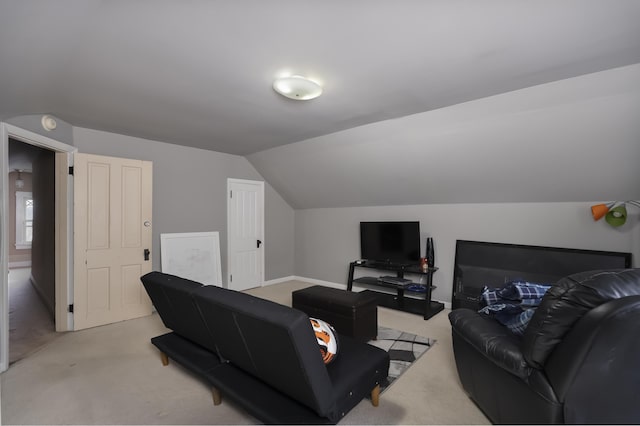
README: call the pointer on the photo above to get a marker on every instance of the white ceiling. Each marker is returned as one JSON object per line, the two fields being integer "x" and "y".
{"x": 199, "y": 72}
{"x": 425, "y": 101}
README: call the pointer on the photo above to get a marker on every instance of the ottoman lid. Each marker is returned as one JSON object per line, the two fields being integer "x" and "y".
{"x": 333, "y": 298}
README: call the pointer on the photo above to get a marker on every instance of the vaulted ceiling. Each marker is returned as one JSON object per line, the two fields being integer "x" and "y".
{"x": 199, "y": 72}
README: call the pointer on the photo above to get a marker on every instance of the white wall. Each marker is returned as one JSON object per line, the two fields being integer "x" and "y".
{"x": 328, "y": 239}
{"x": 189, "y": 193}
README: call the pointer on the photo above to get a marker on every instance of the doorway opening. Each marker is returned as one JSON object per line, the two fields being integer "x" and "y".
{"x": 32, "y": 269}
{"x": 60, "y": 221}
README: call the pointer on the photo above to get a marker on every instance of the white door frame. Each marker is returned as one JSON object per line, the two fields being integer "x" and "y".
{"x": 63, "y": 243}
{"x": 229, "y": 258}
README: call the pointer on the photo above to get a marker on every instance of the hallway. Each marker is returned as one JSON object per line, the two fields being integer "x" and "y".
{"x": 31, "y": 325}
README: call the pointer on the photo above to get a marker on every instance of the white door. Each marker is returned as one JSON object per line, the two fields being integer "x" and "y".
{"x": 245, "y": 234}
{"x": 112, "y": 239}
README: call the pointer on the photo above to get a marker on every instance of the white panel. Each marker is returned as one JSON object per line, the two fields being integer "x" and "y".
{"x": 238, "y": 203}
{"x": 131, "y": 284}
{"x": 250, "y": 214}
{"x": 192, "y": 255}
{"x": 97, "y": 290}
{"x": 246, "y": 262}
{"x": 98, "y": 206}
{"x": 131, "y": 207}
{"x": 252, "y": 261}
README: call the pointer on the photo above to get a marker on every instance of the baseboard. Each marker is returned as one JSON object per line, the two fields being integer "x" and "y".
{"x": 307, "y": 280}
{"x": 21, "y": 264}
{"x": 320, "y": 282}
{"x": 279, "y": 280}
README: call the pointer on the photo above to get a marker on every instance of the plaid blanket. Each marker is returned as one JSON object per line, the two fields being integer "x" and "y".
{"x": 514, "y": 304}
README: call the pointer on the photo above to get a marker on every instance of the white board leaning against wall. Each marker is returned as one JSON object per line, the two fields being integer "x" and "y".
{"x": 193, "y": 255}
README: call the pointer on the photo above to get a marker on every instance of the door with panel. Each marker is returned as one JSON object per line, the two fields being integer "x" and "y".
{"x": 245, "y": 233}
{"x": 112, "y": 239}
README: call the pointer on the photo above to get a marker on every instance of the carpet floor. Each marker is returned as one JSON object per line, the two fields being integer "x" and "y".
{"x": 113, "y": 375}
{"x": 31, "y": 325}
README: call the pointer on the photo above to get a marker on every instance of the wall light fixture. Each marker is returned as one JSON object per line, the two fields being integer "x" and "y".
{"x": 614, "y": 213}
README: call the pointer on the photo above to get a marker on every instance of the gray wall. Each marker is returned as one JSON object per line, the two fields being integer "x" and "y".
{"x": 279, "y": 236}
{"x": 328, "y": 239}
{"x": 43, "y": 247}
{"x": 571, "y": 140}
{"x": 33, "y": 122}
{"x": 189, "y": 193}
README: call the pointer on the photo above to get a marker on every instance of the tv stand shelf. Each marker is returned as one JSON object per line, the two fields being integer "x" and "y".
{"x": 425, "y": 307}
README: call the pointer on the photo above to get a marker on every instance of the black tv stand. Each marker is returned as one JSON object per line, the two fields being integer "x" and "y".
{"x": 427, "y": 308}
{"x": 383, "y": 264}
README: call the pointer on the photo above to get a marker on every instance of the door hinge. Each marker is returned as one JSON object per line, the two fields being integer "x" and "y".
{"x": 231, "y": 194}
{"x": 71, "y": 170}
{"x": 230, "y": 278}
{"x": 70, "y": 308}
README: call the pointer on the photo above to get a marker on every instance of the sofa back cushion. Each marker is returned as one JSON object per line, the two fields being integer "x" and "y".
{"x": 171, "y": 297}
{"x": 270, "y": 341}
{"x": 568, "y": 301}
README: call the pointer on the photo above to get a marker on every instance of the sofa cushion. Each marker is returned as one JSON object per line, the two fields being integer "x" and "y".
{"x": 190, "y": 355}
{"x": 273, "y": 342}
{"x": 568, "y": 301}
{"x": 171, "y": 296}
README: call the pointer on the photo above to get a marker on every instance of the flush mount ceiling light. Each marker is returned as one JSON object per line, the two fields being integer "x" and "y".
{"x": 297, "y": 87}
{"x": 49, "y": 123}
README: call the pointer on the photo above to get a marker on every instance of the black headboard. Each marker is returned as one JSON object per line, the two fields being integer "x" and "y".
{"x": 480, "y": 263}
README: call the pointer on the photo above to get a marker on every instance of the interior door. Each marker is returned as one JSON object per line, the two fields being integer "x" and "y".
{"x": 245, "y": 234}
{"x": 112, "y": 239}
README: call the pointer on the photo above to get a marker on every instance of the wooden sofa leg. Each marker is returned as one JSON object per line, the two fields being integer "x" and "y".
{"x": 375, "y": 396}
{"x": 164, "y": 358}
{"x": 217, "y": 398}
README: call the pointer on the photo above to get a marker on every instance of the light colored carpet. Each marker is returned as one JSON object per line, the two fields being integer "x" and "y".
{"x": 113, "y": 375}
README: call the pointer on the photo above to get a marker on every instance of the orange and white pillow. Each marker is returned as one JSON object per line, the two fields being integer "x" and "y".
{"x": 327, "y": 339}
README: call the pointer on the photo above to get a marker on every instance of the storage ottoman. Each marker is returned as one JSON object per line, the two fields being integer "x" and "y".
{"x": 352, "y": 314}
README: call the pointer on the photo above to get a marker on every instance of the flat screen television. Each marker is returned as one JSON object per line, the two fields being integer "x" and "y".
{"x": 391, "y": 242}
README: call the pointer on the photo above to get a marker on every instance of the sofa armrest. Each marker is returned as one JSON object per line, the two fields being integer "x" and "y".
{"x": 491, "y": 339}
{"x": 593, "y": 370}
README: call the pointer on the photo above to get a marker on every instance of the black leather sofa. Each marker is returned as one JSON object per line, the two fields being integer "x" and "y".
{"x": 577, "y": 361}
{"x": 262, "y": 355}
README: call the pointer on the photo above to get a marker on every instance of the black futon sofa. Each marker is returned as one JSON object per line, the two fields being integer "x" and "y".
{"x": 262, "y": 355}
{"x": 577, "y": 362}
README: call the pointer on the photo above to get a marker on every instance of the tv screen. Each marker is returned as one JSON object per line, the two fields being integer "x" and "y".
{"x": 396, "y": 242}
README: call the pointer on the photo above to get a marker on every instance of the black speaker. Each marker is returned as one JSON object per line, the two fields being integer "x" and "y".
{"x": 431, "y": 261}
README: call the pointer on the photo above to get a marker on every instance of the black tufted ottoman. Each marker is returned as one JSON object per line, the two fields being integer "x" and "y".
{"x": 352, "y": 314}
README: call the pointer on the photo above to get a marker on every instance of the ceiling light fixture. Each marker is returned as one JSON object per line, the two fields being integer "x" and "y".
{"x": 49, "y": 123}
{"x": 297, "y": 87}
